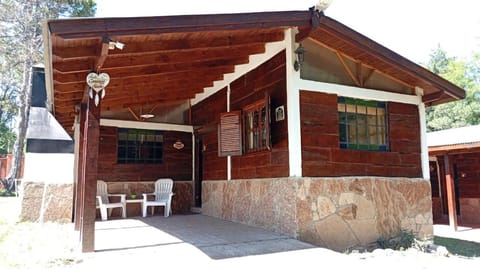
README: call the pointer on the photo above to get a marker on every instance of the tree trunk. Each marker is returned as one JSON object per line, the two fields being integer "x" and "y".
{"x": 23, "y": 116}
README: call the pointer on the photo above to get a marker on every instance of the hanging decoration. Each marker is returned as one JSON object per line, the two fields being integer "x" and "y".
{"x": 97, "y": 83}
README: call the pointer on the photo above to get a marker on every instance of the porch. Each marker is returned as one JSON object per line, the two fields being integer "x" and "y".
{"x": 196, "y": 236}
{"x": 218, "y": 243}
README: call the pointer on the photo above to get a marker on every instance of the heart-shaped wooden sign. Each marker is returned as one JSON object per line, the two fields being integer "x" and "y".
{"x": 98, "y": 81}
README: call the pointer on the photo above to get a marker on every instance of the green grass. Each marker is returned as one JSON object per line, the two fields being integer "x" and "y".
{"x": 458, "y": 247}
{"x": 4, "y": 193}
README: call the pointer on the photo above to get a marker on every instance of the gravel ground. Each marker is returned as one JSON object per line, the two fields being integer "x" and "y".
{"x": 51, "y": 245}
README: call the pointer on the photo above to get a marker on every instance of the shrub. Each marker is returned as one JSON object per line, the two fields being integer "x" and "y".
{"x": 406, "y": 239}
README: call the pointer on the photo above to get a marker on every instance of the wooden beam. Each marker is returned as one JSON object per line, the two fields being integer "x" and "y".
{"x": 78, "y": 65}
{"x": 347, "y": 68}
{"x": 182, "y": 56}
{"x": 80, "y": 184}
{"x": 125, "y": 102}
{"x": 432, "y": 97}
{"x": 450, "y": 184}
{"x": 64, "y": 53}
{"x": 69, "y": 88}
{"x": 133, "y": 113}
{"x": 359, "y": 73}
{"x": 369, "y": 75}
{"x": 176, "y": 42}
{"x": 91, "y": 143}
{"x": 373, "y": 69}
{"x": 454, "y": 149}
{"x": 142, "y": 78}
{"x": 174, "y": 89}
{"x": 102, "y": 55}
{"x": 126, "y": 72}
{"x": 347, "y": 35}
{"x": 98, "y": 27}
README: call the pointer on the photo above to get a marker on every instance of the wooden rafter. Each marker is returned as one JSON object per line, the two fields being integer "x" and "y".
{"x": 382, "y": 58}
{"x": 368, "y": 75}
{"x": 133, "y": 113}
{"x": 155, "y": 69}
{"x": 174, "y": 43}
{"x": 371, "y": 68}
{"x": 347, "y": 68}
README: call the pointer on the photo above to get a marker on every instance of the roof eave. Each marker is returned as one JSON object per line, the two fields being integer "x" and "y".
{"x": 447, "y": 90}
{"x": 99, "y": 27}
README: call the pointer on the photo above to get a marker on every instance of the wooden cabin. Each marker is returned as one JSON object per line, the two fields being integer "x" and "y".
{"x": 289, "y": 121}
{"x": 455, "y": 175}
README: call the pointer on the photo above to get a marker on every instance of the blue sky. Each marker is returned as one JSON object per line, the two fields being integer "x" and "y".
{"x": 411, "y": 28}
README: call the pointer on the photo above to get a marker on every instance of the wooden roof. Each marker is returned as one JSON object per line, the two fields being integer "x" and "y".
{"x": 454, "y": 141}
{"x": 168, "y": 60}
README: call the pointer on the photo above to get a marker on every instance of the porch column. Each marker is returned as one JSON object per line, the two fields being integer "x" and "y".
{"x": 91, "y": 137}
{"x": 79, "y": 179}
{"x": 452, "y": 207}
{"x": 293, "y": 107}
{"x": 423, "y": 136}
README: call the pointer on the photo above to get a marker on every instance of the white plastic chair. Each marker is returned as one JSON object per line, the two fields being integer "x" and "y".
{"x": 163, "y": 197}
{"x": 103, "y": 201}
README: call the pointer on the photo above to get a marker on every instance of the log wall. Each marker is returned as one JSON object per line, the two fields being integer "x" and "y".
{"x": 321, "y": 153}
{"x": 176, "y": 164}
{"x": 267, "y": 78}
{"x": 467, "y": 187}
{"x": 205, "y": 115}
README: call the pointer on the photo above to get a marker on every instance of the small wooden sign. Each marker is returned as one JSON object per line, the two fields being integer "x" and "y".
{"x": 178, "y": 145}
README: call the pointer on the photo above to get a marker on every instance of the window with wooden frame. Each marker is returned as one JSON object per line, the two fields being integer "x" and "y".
{"x": 139, "y": 146}
{"x": 362, "y": 124}
{"x": 256, "y": 126}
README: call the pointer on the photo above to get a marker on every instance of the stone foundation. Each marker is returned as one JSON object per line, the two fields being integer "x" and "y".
{"x": 46, "y": 202}
{"x": 337, "y": 213}
{"x": 267, "y": 203}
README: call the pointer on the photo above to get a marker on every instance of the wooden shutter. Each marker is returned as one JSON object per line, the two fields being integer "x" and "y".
{"x": 230, "y": 134}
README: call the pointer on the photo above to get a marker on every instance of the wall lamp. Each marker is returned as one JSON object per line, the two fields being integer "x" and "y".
{"x": 300, "y": 52}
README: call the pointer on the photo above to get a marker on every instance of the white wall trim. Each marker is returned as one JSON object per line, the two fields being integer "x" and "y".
{"x": 356, "y": 92}
{"x": 76, "y": 148}
{"x": 271, "y": 49}
{"x": 146, "y": 125}
{"x": 229, "y": 158}
{"x": 423, "y": 136}
{"x": 193, "y": 162}
{"x": 293, "y": 107}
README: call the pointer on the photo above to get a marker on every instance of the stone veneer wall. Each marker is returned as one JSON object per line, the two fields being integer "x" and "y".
{"x": 56, "y": 198}
{"x": 267, "y": 203}
{"x": 337, "y": 213}
{"x": 182, "y": 201}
